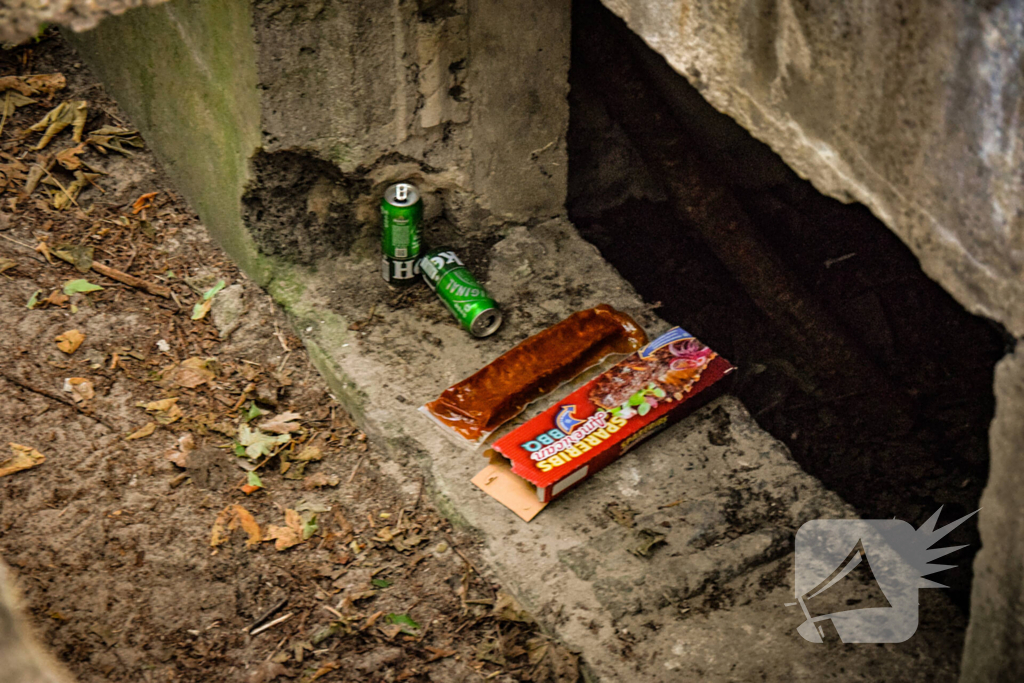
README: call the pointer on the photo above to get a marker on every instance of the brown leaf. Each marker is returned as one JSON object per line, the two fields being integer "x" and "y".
{"x": 112, "y": 138}
{"x": 309, "y": 453}
{"x": 16, "y": 83}
{"x": 70, "y": 341}
{"x": 46, "y": 84}
{"x": 6, "y": 264}
{"x": 285, "y": 423}
{"x": 35, "y": 174}
{"x": 165, "y": 411}
{"x": 38, "y": 84}
{"x": 319, "y": 479}
{"x": 68, "y": 158}
{"x": 23, "y": 458}
{"x": 190, "y": 373}
{"x": 285, "y": 537}
{"x": 59, "y": 118}
{"x": 230, "y": 518}
{"x": 507, "y": 608}
{"x": 179, "y": 454}
{"x": 56, "y": 298}
{"x": 142, "y": 432}
{"x": 11, "y": 101}
{"x": 81, "y": 389}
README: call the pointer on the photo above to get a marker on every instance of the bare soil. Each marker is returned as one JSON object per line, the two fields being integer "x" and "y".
{"x": 112, "y": 538}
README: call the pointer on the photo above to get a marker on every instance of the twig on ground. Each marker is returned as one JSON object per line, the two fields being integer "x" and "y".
{"x": 119, "y": 276}
{"x": 272, "y": 624}
{"x": 451, "y": 544}
{"x": 49, "y": 175}
{"x": 269, "y": 613}
{"x": 355, "y": 469}
{"x": 26, "y": 246}
{"x": 53, "y": 396}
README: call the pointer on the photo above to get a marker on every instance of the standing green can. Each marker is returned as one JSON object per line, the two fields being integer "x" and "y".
{"x": 461, "y": 293}
{"x": 402, "y": 211}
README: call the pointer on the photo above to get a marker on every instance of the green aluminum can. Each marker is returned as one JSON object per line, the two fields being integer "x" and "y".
{"x": 461, "y": 293}
{"x": 401, "y": 212}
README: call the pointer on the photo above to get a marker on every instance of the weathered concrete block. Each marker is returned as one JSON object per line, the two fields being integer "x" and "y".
{"x": 283, "y": 122}
{"x": 995, "y": 642}
{"x": 913, "y": 109}
{"x": 725, "y": 496}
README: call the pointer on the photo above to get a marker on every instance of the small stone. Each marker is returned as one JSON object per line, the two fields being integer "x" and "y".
{"x": 227, "y": 310}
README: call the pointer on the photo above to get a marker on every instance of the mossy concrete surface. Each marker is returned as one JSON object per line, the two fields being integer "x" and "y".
{"x": 185, "y": 71}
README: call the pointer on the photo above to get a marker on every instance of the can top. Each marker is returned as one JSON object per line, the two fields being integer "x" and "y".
{"x": 402, "y": 194}
{"x": 486, "y": 323}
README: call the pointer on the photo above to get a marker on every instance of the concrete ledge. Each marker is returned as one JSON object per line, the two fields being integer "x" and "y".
{"x": 707, "y": 603}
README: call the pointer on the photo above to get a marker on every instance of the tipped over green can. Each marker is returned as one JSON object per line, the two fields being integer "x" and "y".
{"x": 467, "y": 300}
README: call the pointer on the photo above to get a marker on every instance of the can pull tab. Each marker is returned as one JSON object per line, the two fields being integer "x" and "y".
{"x": 401, "y": 192}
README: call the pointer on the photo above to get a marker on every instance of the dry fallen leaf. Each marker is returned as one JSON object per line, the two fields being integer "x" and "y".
{"x": 113, "y": 138}
{"x": 285, "y": 537}
{"x": 319, "y": 480}
{"x": 190, "y": 373}
{"x": 23, "y": 458}
{"x": 56, "y": 298}
{"x": 11, "y": 101}
{"x": 6, "y": 264}
{"x": 35, "y": 174}
{"x": 70, "y": 341}
{"x": 200, "y": 310}
{"x": 231, "y": 518}
{"x": 37, "y": 84}
{"x": 60, "y": 117}
{"x": 309, "y": 453}
{"x": 66, "y": 196}
{"x": 165, "y": 410}
{"x": 143, "y": 202}
{"x": 80, "y": 388}
{"x": 179, "y": 454}
{"x": 69, "y": 157}
{"x": 142, "y": 432}
{"x": 285, "y": 423}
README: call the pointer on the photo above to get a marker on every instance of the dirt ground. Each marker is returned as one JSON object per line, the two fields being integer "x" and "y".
{"x": 149, "y": 411}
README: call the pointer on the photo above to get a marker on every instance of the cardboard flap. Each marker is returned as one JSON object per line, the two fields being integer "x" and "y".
{"x": 518, "y": 495}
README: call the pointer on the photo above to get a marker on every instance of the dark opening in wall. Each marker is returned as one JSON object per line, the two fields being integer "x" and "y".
{"x": 876, "y": 379}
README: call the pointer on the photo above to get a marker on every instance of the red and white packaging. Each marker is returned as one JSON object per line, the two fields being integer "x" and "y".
{"x": 569, "y": 442}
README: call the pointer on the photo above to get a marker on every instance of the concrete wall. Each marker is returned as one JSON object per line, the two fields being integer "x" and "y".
{"x": 282, "y": 122}
{"x": 914, "y": 109}
{"x": 185, "y": 71}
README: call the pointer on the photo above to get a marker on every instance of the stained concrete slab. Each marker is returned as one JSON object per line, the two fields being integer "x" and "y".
{"x": 723, "y": 496}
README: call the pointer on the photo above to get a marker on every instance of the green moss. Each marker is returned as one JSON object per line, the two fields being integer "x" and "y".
{"x": 185, "y": 71}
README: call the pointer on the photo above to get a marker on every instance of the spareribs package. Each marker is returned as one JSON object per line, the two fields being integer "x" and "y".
{"x": 570, "y": 441}
{"x": 472, "y": 409}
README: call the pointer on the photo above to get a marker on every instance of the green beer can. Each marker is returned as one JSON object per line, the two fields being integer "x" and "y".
{"x": 461, "y": 293}
{"x": 402, "y": 211}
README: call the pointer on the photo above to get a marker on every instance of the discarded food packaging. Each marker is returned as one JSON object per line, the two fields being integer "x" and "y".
{"x": 569, "y": 442}
{"x": 479, "y": 404}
